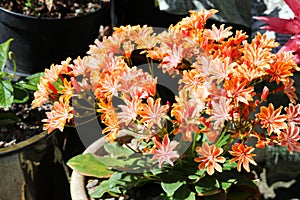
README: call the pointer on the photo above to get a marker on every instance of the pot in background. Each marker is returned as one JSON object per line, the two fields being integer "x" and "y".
{"x": 40, "y": 42}
{"x": 35, "y": 169}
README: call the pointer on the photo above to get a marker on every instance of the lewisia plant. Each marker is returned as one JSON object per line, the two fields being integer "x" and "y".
{"x": 200, "y": 143}
{"x": 286, "y": 26}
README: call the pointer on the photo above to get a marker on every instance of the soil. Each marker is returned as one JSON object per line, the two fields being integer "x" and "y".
{"x": 28, "y": 123}
{"x": 58, "y": 8}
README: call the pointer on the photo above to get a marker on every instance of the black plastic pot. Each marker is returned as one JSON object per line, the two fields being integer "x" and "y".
{"x": 39, "y": 42}
{"x": 35, "y": 169}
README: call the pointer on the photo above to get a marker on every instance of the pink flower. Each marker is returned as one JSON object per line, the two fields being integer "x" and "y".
{"x": 164, "y": 151}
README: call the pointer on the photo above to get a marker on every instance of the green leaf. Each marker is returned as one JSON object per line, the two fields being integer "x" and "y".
{"x": 193, "y": 177}
{"x": 112, "y": 162}
{"x": 223, "y": 141}
{"x": 207, "y": 186}
{"x": 184, "y": 193}
{"x": 21, "y": 95}
{"x": 4, "y": 48}
{"x": 89, "y": 165}
{"x": 8, "y": 118}
{"x": 229, "y": 166}
{"x": 192, "y": 196}
{"x": 170, "y": 188}
{"x": 100, "y": 190}
{"x": 117, "y": 150}
{"x": 31, "y": 82}
{"x": 6, "y": 93}
{"x": 227, "y": 184}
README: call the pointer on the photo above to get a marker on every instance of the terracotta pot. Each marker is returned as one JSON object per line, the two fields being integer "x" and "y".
{"x": 40, "y": 42}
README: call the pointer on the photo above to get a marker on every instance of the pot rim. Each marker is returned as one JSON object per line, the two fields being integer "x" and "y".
{"x": 26, "y": 143}
{"x": 77, "y": 187}
{"x": 102, "y": 5}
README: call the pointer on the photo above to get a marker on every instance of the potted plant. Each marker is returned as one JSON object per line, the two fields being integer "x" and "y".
{"x": 203, "y": 143}
{"x": 29, "y": 157}
{"x": 47, "y": 32}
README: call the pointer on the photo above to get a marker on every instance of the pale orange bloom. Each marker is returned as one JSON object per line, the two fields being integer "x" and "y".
{"x": 112, "y": 128}
{"x": 177, "y": 108}
{"x": 66, "y": 89}
{"x": 155, "y": 54}
{"x": 264, "y": 41}
{"x": 290, "y": 90}
{"x": 60, "y": 114}
{"x": 128, "y": 48}
{"x": 153, "y": 113}
{"x": 106, "y": 109}
{"x": 190, "y": 121}
{"x": 108, "y": 86}
{"x": 129, "y": 111}
{"x": 220, "y": 112}
{"x": 293, "y": 114}
{"x": 221, "y": 69}
{"x": 238, "y": 90}
{"x": 272, "y": 119}
{"x": 257, "y": 56}
{"x": 243, "y": 155}
{"x": 41, "y": 96}
{"x": 280, "y": 70}
{"x": 216, "y": 34}
{"x": 195, "y": 22}
{"x": 248, "y": 72}
{"x": 191, "y": 80}
{"x": 171, "y": 58}
{"x": 52, "y": 73}
{"x": 164, "y": 151}
{"x": 111, "y": 44}
{"x": 209, "y": 158}
{"x": 79, "y": 67}
{"x": 290, "y": 137}
{"x": 143, "y": 37}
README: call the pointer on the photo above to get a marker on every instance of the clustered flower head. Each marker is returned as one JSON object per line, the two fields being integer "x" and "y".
{"x": 286, "y": 26}
{"x": 221, "y": 107}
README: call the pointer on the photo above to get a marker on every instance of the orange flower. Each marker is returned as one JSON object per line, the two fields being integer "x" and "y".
{"x": 280, "y": 70}
{"x": 243, "y": 155}
{"x": 66, "y": 90}
{"x": 271, "y": 119}
{"x": 209, "y": 156}
{"x": 112, "y": 128}
{"x": 257, "y": 56}
{"x": 41, "y": 95}
{"x": 60, "y": 114}
{"x": 191, "y": 80}
{"x": 153, "y": 113}
{"x": 216, "y": 34}
{"x": 238, "y": 90}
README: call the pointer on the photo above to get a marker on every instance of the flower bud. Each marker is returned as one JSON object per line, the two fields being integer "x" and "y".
{"x": 265, "y": 93}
